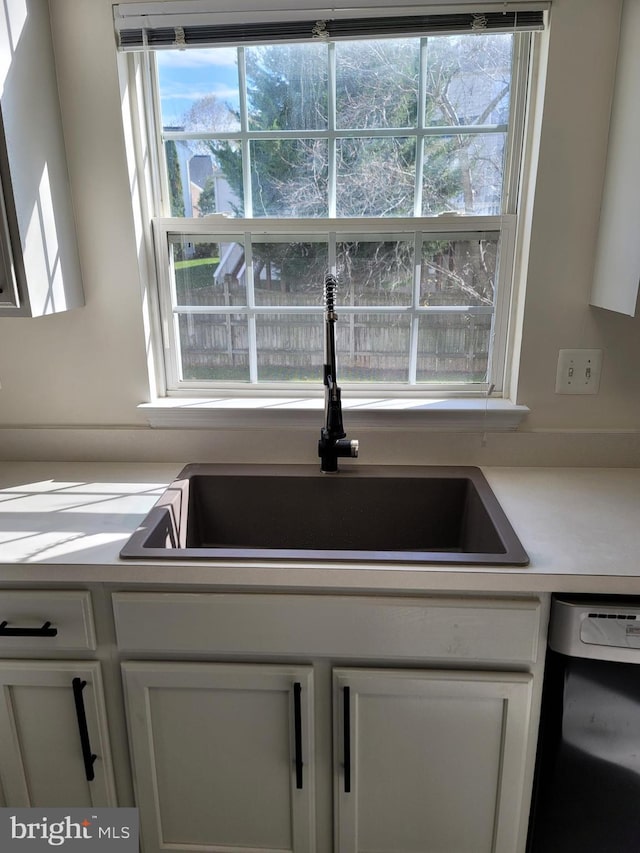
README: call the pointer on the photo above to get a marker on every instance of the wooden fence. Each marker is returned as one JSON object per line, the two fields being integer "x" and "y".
{"x": 451, "y": 347}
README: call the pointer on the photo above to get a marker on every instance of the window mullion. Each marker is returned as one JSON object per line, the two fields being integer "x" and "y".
{"x": 251, "y": 304}
{"x": 253, "y": 349}
{"x": 244, "y": 135}
{"x": 415, "y": 318}
{"x": 333, "y": 253}
{"x": 422, "y": 99}
{"x": 331, "y": 142}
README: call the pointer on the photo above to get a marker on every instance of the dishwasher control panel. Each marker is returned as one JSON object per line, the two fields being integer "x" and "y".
{"x": 590, "y": 629}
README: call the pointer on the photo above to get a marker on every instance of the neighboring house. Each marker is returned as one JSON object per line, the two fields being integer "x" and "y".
{"x": 200, "y": 171}
{"x": 232, "y": 263}
{"x": 196, "y": 170}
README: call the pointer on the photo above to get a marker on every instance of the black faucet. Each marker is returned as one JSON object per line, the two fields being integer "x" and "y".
{"x": 333, "y": 442}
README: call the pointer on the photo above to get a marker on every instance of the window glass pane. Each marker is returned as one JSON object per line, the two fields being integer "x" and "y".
{"x": 205, "y": 176}
{"x": 372, "y": 347}
{"x": 289, "y": 177}
{"x": 463, "y": 174}
{"x": 207, "y": 272}
{"x": 377, "y": 83}
{"x": 453, "y": 347}
{"x": 375, "y": 272}
{"x": 289, "y": 273}
{"x": 468, "y": 79}
{"x": 214, "y": 347}
{"x": 375, "y": 176}
{"x": 199, "y": 89}
{"x": 458, "y": 271}
{"x": 290, "y": 347}
{"x": 287, "y": 86}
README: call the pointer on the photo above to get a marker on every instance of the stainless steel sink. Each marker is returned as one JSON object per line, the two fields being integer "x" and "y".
{"x": 437, "y": 514}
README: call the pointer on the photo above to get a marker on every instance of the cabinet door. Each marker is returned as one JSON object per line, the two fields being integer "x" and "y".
{"x": 429, "y": 761}
{"x": 33, "y": 168}
{"x": 223, "y": 756}
{"x": 54, "y": 743}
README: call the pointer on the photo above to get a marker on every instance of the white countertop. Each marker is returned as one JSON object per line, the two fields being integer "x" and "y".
{"x": 66, "y": 522}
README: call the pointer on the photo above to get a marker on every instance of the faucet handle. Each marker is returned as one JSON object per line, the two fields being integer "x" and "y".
{"x": 347, "y": 447}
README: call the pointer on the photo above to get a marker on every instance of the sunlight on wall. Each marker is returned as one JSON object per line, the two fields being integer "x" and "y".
{"x": 140, "y": 188}
{"x": 42, "y": 251}
{"x": 13, "y": 15}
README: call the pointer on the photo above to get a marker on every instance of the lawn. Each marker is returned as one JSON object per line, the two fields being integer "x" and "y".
{"x": 195, "y": 274}
{"x": 197, "y": 262}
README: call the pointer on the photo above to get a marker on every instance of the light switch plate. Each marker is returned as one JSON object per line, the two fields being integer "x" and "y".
{"x": 578, "y": 371}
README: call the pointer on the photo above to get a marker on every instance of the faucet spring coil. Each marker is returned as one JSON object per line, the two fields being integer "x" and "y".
{"x": 330, "y": 287}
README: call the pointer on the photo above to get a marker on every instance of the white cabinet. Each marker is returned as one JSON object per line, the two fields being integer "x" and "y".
{"x": 276, "y": 722}
{"x": 434, "y": 753}
{"x": 54, "y": 742}
{"x": 223, "y": 755}
{"x": 429, "y": 760}
{"x": 54, "y": 738}
{"x": 46, "y": 622}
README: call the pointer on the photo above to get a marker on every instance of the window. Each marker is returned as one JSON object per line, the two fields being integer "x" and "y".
{"x": 388, "y": 158}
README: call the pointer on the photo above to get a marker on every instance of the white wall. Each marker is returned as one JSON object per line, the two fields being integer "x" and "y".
{"x": 88, "y": 367}
{"x": 563, "y": 239}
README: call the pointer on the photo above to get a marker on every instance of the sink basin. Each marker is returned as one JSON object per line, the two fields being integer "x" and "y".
{"x": 437, "y": 514}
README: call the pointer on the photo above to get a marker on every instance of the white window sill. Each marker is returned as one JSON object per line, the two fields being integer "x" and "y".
{"x": 461, "y": 415}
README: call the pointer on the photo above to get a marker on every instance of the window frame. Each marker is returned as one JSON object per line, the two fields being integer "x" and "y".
{"x": 144, "y": 92}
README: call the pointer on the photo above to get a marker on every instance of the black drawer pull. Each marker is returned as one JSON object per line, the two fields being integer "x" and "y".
{"x": 45, "y": 631}
{"x": 87, "y": 756}
{"x": 346, "y": 733}
{"x": 297, "y": 714}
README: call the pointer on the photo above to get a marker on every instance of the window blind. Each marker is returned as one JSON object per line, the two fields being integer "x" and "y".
{"x": 158, "y": 31}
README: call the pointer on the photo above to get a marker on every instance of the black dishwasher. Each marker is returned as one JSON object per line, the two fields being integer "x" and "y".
{"x": 587, "y": 783}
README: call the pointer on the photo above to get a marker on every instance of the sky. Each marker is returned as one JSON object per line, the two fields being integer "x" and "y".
{"x": 186, "y": 76}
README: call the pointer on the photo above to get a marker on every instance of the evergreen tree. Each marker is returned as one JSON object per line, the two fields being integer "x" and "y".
{"x": 207, "y": 200}
{"x": 287, "y": 90}
{"x": 176, "y": 199}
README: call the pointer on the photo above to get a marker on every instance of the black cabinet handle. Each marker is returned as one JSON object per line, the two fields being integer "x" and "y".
{"x": 346, "y": 745}
{"x": 87, "y": 756}
{"x": 297, "y": 722}
{"x": 45, "y": 631}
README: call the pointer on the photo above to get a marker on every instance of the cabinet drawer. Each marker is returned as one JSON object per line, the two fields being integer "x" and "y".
{"x": 305, "y": 625}
{"x": 24, "y": 615}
